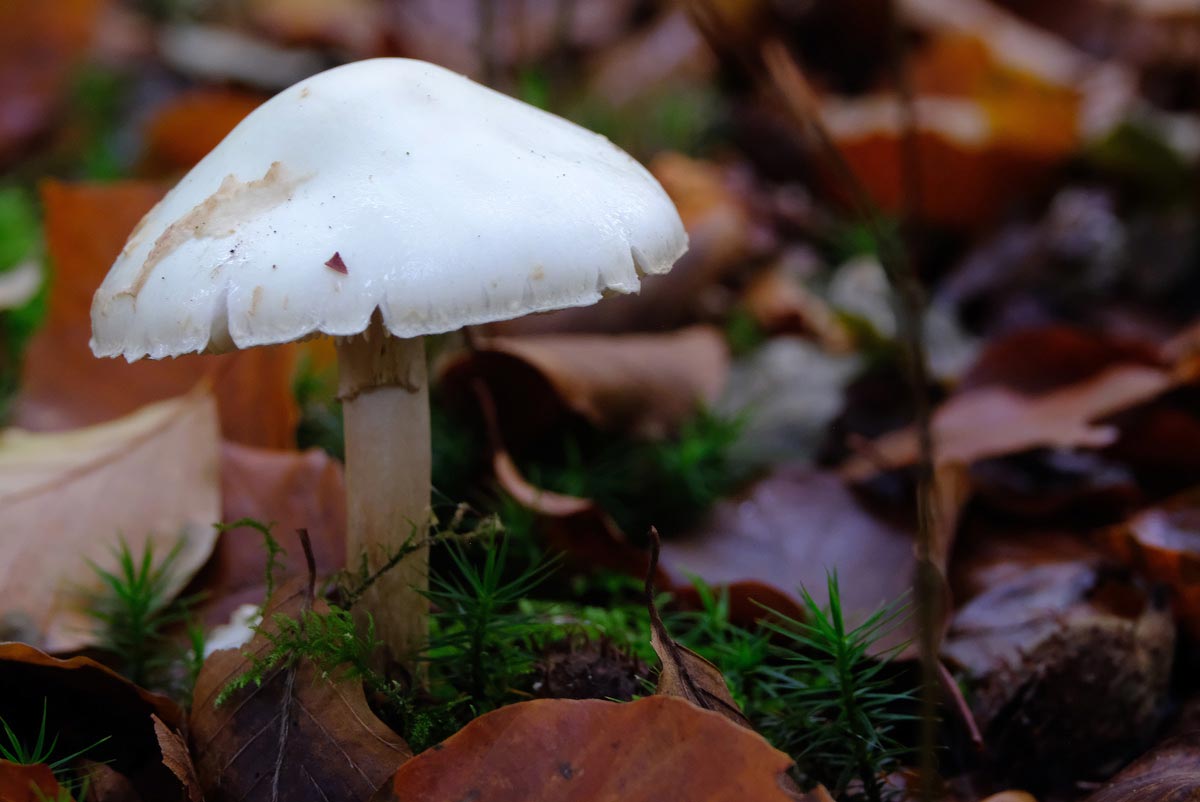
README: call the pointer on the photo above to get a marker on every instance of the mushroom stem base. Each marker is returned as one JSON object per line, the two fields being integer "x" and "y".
{"x": 385, "y": 403}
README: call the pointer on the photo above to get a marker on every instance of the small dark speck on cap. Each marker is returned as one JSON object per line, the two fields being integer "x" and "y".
{"x": 335, "y": 263}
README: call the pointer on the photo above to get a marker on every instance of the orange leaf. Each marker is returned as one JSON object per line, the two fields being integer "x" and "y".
{"x": 65, "y": 386}
{"x": 654, "y": 749}
{"x": 27, "y": 783}
{"x": 183, "y": 130}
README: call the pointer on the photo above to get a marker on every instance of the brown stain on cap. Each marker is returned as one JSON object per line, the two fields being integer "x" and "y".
{"x": 220, "y": 214}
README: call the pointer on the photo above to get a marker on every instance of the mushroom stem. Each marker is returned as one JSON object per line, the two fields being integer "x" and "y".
{"x": 385, "y": 402}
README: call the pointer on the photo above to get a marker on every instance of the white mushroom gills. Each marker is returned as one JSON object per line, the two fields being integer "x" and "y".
{"x": 379, "y": 202}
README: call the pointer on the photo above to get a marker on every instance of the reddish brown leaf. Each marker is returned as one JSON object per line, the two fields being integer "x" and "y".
{"x": 64, "y": 386}
{"x": 787, "y": 531}
{"x": 779, "y": 302}
{"x": 654, "y": 749}
{"x": 647, "y": 384}
{"x": 1168, "y": 773}
{"x": 70, "y": 498}
{"x": 183, "y": 130}
{"x": 292, "y": 490}
{"x": 84, "y": 702}
{"x": 27, "y": 783}
{"x": 357, "y": 26}
{"x": 1163, "y": 543}
{"x": 300, "y": 735}
{"x": 177, "y": 758}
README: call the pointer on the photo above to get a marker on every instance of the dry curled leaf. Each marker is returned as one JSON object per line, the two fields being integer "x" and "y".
{"x": 83, "y": 703}
{"x": 177, "y": 759}
{"x": 299, "y": 735}
{"x": 64, "y": 386}
{"x": 647, "y": 384}
{"x": 654, "y": 749}
{"x": 149, "y": 478}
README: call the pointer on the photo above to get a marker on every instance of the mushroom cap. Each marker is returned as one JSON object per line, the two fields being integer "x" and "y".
{"x": 386, "y": 184}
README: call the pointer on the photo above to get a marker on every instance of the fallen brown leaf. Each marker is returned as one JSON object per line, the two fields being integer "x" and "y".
{"x": 647, "y": 384}
{"x": 64, "y": 386}
{"x": 654, "y": 749}
{"x": 299, "y": 735}
{"x": 182, "y": 131}
{"x": 289, "y": 489}
{"x": 74, "y": 497}
{"x": 1168, "y": 773}
{"x": 27, "y": 783}
{"x": 84, "y": 702}
{"x": 178, "y": 759}
{"x": 356, "y": 26}
{"x": 1163, "y": 543}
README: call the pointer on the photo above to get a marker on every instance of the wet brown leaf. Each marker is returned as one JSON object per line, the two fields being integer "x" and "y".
{"x": 646, "y": 384}
{"x": 74, "y": 497}
{"x": 299, "y": 735}
{"x": 27, "y": 783}
{"x": 84, "y": 702}
{"x": 1168, "y": 773}
{"x": 63, "y": 386}
{"x": 656, "y": 748}
{"x": 292, "y": 490}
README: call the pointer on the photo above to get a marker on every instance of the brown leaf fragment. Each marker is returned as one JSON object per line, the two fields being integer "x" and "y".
{"x": 299, "y": 735}
{"x": 1168, "y": 773}
{"x": 550, "y": 750}
{"x": 684, "y": 673}
{"x": 27, "y": 783}
{"x": 337, "y": 264}
{"x": 177, "y": 758}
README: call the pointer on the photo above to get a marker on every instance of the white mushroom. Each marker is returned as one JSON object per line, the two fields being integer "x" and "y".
{"x": 379, "y": 202}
